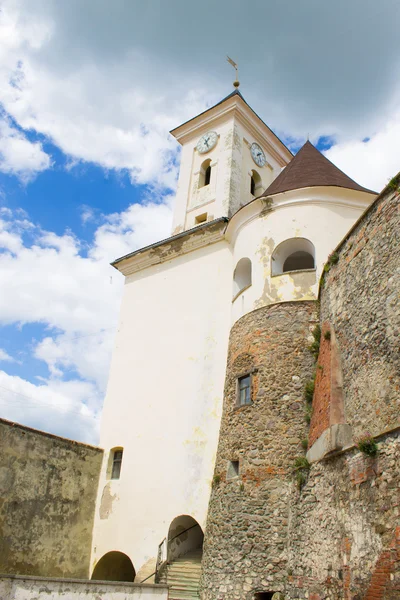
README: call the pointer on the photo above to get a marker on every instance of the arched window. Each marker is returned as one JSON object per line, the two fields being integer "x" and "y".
{"x": 205, "y": 173}
{"x": 241, "y": 276}
{"x": 295, "y": 254}
{"x": 115, "y": 463}
{"x": 255, "y": 183}
{"x": 114, "y": 566}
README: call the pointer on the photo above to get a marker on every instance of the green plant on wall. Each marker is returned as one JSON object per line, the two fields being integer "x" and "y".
{"x": 309, "y": 391}
{"x": 216, "y": 480}
{"x": 314, "y": 347}
{"x": 394, "y": 184}
{"x": 301, "y": 468}
{"x": 367, "y": 444}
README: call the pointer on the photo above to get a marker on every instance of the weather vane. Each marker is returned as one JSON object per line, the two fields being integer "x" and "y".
{"x": 234, "y": 65}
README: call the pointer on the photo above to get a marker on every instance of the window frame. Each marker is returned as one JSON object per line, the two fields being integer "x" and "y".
{"x": 249, "y": 375}
{"x": 116, "y": 463}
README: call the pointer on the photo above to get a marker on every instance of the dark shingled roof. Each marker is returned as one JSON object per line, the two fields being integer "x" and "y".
{"x": 310, "y": 168}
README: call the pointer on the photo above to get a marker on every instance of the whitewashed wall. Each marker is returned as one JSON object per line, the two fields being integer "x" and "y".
{"x": 32, "y": 588}
{"x": 164, "y": 401}
{"x": 321, "y": 215}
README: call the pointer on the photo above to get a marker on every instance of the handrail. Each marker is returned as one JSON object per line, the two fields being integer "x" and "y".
{"x": 162, "y": 556}
{"x": 184, "y": 531}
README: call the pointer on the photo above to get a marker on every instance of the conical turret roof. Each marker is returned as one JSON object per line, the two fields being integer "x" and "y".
{"x": 310, "y": 168}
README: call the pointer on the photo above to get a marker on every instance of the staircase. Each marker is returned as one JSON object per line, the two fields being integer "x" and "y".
{"x": 183, "y": 576}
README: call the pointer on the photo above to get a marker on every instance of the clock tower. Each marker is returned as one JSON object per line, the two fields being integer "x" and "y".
{"x": 229, "y": 157}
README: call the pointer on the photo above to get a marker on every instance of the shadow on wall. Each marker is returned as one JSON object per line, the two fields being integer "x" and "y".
{"x": 114, "y": 566}
{"x": 184, "y": 535}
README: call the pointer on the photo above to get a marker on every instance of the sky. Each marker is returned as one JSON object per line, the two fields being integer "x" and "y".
{"x": 88, "y": 93}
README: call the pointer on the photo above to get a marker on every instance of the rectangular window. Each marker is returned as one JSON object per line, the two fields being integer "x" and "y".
{"x": 116, "y": 465}
{"x": 244, "y": 390}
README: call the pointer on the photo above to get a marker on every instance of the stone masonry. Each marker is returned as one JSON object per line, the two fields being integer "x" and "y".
{"x": 245, "y": 547}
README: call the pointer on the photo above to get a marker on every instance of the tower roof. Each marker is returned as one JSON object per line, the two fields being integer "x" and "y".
{"x": 310, "y": 168}
{"x": 233, "y": 99}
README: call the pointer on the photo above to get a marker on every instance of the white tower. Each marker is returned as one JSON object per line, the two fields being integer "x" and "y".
{"x": 218, "y": 173}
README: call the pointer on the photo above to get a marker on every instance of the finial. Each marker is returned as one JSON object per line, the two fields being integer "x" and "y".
{"x": 234, "y": 65}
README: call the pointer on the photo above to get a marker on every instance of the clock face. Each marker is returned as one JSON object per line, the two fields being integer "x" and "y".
{"x": 207, "y": 142}
{"x": 258, "y": 155}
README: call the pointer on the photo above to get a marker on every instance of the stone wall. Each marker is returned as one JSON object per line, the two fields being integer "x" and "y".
{"x": 32, "y": 588}
{"x": 245, "y": 547}
{"x": 361, "y": 298}
{"x": 344, "y": 533}
{"x": 48, "y": 488}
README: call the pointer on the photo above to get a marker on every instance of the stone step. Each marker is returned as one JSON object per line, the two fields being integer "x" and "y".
{"x": 183, "y": 576}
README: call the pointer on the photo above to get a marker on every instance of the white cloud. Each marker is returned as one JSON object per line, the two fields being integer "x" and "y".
{"x": 4, "y": 356}
{"x": 67, "y": 408}
{"x": 77, "y": 297}
{"x": 19, "y": 156}
{"x": 374, "y": 161}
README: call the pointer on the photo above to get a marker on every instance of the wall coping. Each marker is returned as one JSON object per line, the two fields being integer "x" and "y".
{"x": 83, "y": 581}
{"x": 13, "y": 424}
{"x": 336, "y": 453}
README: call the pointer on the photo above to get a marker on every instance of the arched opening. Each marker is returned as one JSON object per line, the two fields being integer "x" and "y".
{"x": 241, "y": 276}
{"x": 184, "y": 536}
{"x": 255, "y": 183}
{"x": 205, "y": 173}
{"x": 114, "y": 566}
{"x": 295, "y": 254}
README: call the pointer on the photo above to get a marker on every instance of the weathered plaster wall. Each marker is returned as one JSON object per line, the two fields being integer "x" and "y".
{"x": 164, "y": 402}
{"x": 48, "y": 488}
{"x": 245, "y": 547}
{"x": 31, "y": 588}
{"x": 361, "y": 297}
{"x": 231, "y": 166}
{"x": 320, "y": 215}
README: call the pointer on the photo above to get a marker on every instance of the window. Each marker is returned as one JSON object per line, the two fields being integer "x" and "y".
{"x": 201, "y": 219}
{"x": 244, "y": 390}
{"x": 263, "y": 595}
{"x": 295, "y": 254}
{"x": 233, "y": 469}
{"x": 241, "y": 276}
{"x": 255, "y": 183}
{"x": 116, "y": 464}
{"x": 205, "y": 173}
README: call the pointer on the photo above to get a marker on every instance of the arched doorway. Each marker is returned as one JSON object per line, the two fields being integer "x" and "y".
{"x": 114, "y": 566}
{"x": 184, "y": 535}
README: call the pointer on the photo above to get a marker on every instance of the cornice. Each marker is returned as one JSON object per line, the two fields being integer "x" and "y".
{"x": 178, "y": 245}
{"x": 317, "y": 196}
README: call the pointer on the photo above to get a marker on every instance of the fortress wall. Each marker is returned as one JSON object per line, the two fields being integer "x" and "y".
{"x": 361, "y": 299}
{"x": 246, "y": 536}
{"x": 344, "y": 534}
{"x": 48, "y": 488}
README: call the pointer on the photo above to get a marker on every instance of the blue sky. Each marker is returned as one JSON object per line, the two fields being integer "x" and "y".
{"x": 88, "y": 94}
